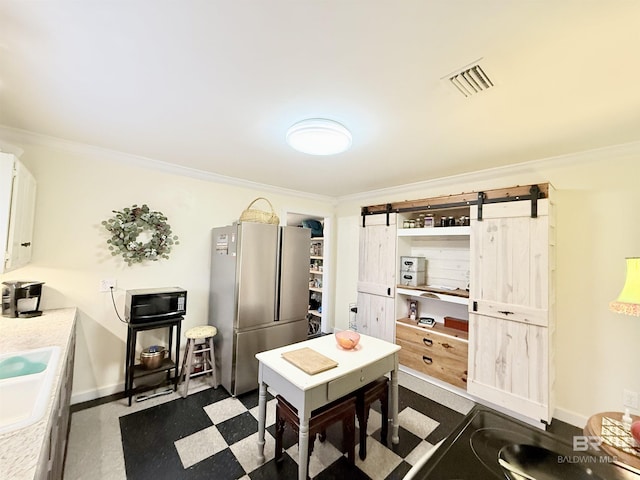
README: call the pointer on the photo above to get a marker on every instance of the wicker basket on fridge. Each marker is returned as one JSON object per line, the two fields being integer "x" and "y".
{"x": 259, "y": 216}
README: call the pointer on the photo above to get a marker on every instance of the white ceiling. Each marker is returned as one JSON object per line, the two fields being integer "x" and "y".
{"x": 214, "y": 84}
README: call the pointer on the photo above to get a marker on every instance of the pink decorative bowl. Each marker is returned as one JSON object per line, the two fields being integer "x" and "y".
{"x": 635, "y": 431}
{"x": 348, "y": 339}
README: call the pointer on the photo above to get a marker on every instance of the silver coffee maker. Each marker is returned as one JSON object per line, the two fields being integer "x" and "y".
{"x": 21, "y": 299}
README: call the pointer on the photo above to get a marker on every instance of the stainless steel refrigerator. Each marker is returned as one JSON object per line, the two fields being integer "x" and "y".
{"x": 259, "y": 296}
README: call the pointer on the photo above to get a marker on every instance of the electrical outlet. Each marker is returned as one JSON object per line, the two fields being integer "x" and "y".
{"x": 630, "y": 399}
{"x": 107, "y": 284}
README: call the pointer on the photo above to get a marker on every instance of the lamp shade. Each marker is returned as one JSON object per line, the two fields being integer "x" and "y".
{"x": 628, "y": 302}
{"x": 319, "y": 136}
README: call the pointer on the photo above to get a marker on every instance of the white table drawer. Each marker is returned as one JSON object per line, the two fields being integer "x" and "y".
{"x": 358, "y": 378}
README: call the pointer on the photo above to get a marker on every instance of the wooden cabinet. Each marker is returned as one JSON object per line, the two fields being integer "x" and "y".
{"x": 377, "y": 277}
{"x": 498, "y": 273}
{"x": 511, "y": 306}
{"x": 53, "y": 452}
{"x": 439, "y": 352}
{"x": 17, "y": 209}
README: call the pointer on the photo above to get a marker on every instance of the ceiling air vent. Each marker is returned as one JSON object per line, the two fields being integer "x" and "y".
{"x": 471, "y": 80}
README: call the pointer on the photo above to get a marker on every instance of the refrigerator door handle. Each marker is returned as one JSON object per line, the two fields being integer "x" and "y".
{"x": 276, "y": 303}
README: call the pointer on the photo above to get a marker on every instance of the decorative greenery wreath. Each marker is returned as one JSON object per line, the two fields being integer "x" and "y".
{"x": 128, "y": 224}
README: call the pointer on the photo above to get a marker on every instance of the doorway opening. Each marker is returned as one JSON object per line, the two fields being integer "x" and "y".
{"x": 320, "y": 255}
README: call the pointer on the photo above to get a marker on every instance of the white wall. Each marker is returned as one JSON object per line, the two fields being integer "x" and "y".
{"x": 597, "y": 197}
{"x": 77, "y": 189}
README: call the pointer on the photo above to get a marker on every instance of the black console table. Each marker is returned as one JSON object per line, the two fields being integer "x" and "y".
{"x": 134, "y": 371}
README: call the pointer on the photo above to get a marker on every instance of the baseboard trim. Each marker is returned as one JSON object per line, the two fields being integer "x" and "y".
{"x": 89, "y": 395}
{"x": 571, "y": 418}
{"x": 462, "y": 402}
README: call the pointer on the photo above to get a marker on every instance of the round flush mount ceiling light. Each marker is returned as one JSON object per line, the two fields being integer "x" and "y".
{"x": 319, "y": 136}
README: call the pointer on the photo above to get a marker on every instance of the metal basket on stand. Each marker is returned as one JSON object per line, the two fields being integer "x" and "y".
{"x": 353, "y": 313}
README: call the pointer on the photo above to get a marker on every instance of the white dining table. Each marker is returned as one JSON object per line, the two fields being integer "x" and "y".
{"x": 371, "y": 359}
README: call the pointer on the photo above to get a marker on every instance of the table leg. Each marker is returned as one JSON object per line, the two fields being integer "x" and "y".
{"x": 127, "y": 365}
{"x": 394, "y": 404}
{"x": 176, "y": 375}
{"x": 303, "y": 446}
{"x": 262, "y": 416}
{"x": 131, "y": 363}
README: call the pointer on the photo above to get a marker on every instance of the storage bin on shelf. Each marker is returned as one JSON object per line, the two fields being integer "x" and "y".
{"x": 413, "y": 271}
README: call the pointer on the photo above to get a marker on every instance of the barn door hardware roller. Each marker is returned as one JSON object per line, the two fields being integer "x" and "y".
{"x": 388, "y": 210}
{"x": 535, "y": 192}
{"x": 365, "y": 212}
{"x": 480, "y": 202}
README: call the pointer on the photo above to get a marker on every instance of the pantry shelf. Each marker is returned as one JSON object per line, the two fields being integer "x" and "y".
{"x": 452, "y": 296}
{"x": 434, "y": 232}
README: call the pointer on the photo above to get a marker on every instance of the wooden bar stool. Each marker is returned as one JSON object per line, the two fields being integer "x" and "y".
{"x": 204, "y": 348}
{"x": 343, "y": 409}
{"x": 376, "y": 390}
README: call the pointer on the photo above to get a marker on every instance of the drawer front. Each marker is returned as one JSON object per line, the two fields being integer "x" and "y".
{"x": 442, "y": 367}
{"x": 412, "y": 279}
{"x": 433, "y": 354}
{"x": 432, "y": 343}
{"x": 412, "y": 264}
{"x": 354, "y": 380}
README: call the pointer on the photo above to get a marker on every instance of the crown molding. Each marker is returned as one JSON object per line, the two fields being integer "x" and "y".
{"x": 11, "y": 136}
{"x": 24, "y": 137}
{"x": 574, "y": 158}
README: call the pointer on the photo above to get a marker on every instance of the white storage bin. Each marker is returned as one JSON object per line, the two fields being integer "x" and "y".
{"x": 413, "y": 264}
{"x": 412, "y": 279}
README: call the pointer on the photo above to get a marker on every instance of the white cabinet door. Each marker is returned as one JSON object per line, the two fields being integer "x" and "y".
{"x": 509, "y": 308}
{"x": 376, "y": 316}
{"x": 509, "y": 365}
{"x": 510, "y": 254}
{"x": 377, "y": 277}
{"x": 18, "y": 209}
{"x": 377, "y": 256}
{"x": 7, "y": 163}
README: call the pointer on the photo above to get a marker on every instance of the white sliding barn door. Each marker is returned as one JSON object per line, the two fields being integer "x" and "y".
{"x": 376, "y": 316}
{"x": 377, "y": 277}
{"x": 509, "y": 308}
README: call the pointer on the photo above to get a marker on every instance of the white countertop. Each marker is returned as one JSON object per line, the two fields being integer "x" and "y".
{"x": 20, "y": 449}
{"x": 368, "y": 351}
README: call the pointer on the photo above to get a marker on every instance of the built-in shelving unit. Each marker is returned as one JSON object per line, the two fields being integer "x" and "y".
{"x": 479, "y": 306}
{"x": 316, "y": 282}
{"x": 445, "y": 250}
{"x": 320, "y": 255}
{"x": 435, "y": 285}
{"x": 435, "y": 231}
{"x": 453, "y": 296}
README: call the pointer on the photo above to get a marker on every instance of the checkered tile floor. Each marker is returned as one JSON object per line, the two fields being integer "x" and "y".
{"x": 210, "y": 434}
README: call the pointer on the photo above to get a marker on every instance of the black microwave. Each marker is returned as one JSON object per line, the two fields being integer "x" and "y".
{"x": 155, "y": 304}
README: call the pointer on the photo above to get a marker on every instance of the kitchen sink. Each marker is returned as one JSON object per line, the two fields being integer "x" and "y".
{"x": 530, "y": 462}
{"x": 491, "y": 444}
{"x": 26, "y": 379}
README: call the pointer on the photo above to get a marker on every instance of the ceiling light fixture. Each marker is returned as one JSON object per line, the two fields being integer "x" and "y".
{"x": 319, "y": 136}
